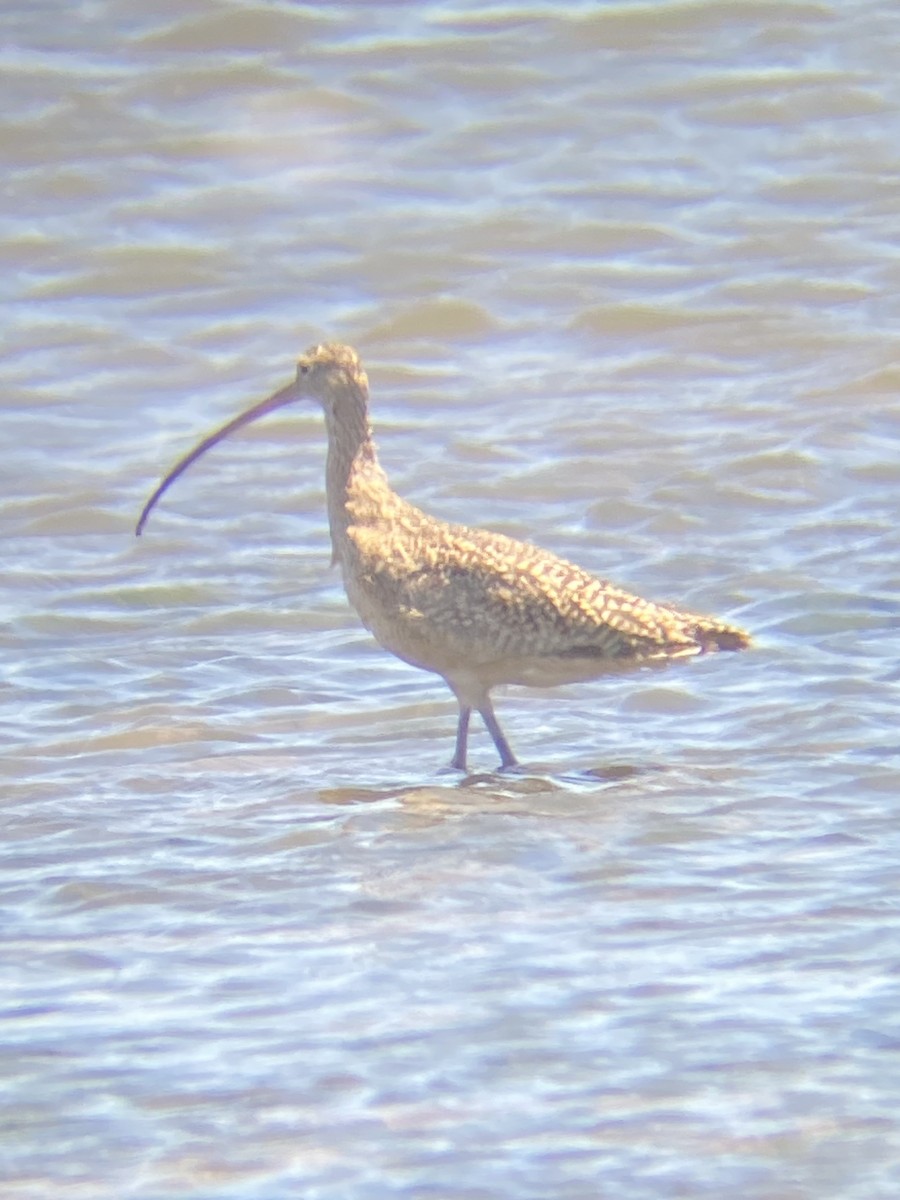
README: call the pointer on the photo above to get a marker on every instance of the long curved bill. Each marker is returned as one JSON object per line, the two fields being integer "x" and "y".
{"x": 285, "y": 395}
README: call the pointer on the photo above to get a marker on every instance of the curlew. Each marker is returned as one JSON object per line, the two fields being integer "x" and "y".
{"x": 475, "y": 607}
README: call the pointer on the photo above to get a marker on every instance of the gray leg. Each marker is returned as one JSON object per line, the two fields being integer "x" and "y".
{"x": 458, "y": 761}
{"x": 507, "y": 758}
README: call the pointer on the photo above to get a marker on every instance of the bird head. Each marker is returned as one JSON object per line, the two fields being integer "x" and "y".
{"x": 329, "y": 373}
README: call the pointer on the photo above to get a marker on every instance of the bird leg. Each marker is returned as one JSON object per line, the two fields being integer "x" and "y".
{"x": 486, "y": 712}
{"x": 458, "y": 761}
{"x": 507, "y": 758}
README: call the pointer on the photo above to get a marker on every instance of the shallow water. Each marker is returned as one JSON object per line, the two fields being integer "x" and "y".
{"x": 624, "y": 280}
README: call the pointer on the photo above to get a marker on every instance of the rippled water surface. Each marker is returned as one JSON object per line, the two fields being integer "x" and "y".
{"x": 625, "y": 279}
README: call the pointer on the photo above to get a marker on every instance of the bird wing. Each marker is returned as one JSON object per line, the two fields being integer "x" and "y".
{"x": 485, "y": 595}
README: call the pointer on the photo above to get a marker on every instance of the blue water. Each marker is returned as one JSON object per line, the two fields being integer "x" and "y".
{"x": 624, "y": 282}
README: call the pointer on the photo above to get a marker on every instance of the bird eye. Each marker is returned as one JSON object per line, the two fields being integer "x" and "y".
{"x": 302, "y": 368}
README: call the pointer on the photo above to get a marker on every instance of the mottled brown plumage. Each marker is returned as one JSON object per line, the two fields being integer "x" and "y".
{"x": 475, "y": 607}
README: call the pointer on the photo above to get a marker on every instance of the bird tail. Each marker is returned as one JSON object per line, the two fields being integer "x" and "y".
{"x": 718, "y": 636}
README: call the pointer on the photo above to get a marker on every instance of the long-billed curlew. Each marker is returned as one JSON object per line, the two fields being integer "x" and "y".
{"x": 475, "y": 607}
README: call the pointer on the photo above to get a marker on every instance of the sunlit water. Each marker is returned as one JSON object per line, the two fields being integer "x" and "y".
{"x": 625, "y": 280}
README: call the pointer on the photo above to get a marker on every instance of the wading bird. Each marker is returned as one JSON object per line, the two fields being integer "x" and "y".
{"x": 475, "y": 607}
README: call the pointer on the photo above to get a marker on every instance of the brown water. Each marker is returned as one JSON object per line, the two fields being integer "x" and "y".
{"x": 625, "y": 278}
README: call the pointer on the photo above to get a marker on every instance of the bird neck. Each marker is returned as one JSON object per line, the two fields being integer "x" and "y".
{"x": 352, "y": 462}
